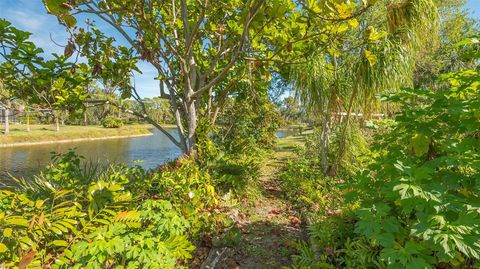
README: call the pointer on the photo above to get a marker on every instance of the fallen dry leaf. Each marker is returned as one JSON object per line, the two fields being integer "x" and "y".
{"x": 275, "y": 211}
{"x": 294, "y": 220}
{"x": 27, "y": 259}
{"x": 233, "y": 264}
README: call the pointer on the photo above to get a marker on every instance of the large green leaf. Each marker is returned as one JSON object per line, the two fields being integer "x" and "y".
{"x": 420, "y": 144}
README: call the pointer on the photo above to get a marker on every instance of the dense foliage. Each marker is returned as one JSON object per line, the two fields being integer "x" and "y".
{"x": 420, "y": 197}
{"x": 72, "y": 217}
{"x": 416, "y": 204}
{"x": 398, "y": 191}
{"x": 248, "y": 124}
{"x": 112, "y": 122}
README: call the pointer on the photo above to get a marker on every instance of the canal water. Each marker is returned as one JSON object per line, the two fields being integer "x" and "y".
{"x": 152, "y": 151}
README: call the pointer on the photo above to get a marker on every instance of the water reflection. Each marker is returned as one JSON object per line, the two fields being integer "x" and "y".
{"x": 28, "y": 160}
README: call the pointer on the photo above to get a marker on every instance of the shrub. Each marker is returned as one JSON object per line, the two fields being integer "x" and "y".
{"x": 238, "y": 173}
{"x": 112, "y": 122}
{"x": 115, "y": 218}
{"x": 320, "y": 201}
{"x": 420, "y": 197}
{"x": 308, "y": 190}
{"x": 356, "y": 144}
{"x": 248, "y": 125}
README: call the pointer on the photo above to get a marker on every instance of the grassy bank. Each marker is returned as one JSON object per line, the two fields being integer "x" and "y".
{"x": 47, "y": 133}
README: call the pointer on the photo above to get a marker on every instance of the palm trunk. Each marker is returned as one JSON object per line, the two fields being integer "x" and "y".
{"x": 7, "y": 123}
{"x": 343, "y": 138}
{"x": 329, "y": 170}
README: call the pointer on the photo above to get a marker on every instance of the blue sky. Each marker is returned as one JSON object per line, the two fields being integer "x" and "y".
{"x": 474, "y": 6}
{"x": 31, "y": 16}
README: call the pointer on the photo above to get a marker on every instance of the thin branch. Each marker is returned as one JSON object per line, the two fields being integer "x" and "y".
{"x": 112, "y": 23}
{"x": 195, "y": 29}
{"x": 252, "y": 13}
{"x": 146, "y": 118}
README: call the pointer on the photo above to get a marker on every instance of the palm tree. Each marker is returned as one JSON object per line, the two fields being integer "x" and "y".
{"x": 360, "y": 64}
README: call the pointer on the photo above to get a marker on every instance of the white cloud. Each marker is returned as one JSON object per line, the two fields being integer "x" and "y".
{"x": 27, "y": 21}
{"x": 33, "y": 18}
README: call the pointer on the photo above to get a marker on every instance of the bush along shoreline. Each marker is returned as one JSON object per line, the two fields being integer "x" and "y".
{"x": 118, "y": 218}
{"x": 72, "y": 215}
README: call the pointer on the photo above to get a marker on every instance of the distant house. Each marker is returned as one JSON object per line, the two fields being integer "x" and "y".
{"x": 3, "y": 113}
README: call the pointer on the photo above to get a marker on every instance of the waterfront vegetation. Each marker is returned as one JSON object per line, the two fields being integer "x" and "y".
{"x": 377, "y": 165}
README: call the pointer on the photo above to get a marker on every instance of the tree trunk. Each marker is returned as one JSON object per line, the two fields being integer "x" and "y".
{"x": 57, "y": 124}
{"x": 28, "y": 121}
{"x": 178, "y": 121}
{"x": 343, "y": 138}
{"x": 7, "y": 123}
{"x": 85, "y": 120}
{"x": 192, "y": 126}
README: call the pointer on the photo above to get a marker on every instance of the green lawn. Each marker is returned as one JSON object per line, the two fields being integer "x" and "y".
{"x": 41, "y": 133}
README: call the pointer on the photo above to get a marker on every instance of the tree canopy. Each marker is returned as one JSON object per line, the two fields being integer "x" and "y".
{"x": 201, "y": 49}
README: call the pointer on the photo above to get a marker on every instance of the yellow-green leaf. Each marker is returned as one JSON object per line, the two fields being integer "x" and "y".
{"x": 55, "y": 230}
{"x": 69, "y": 20}
{"x": 39, "y": 203}
{"x": 420, "y": 144}
{"x": 59, "y": 243}
{"x": 3, "y": 248}
{"x": 68, "y": 253}
{"x": 353, "y": 23}
{"x": 7, "y": 232}
{"x": 374, "y": 35}
{"x": 18, "y": 221}
{"x": 344, "y": 10}
{"x": 341, "y": 28}
{"x": 372, "y": 58}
